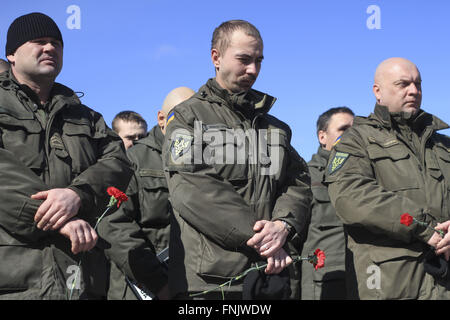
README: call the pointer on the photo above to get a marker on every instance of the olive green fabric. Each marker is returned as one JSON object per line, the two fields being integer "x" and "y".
{"x": 76, "y": 150}
{"x": 325, "y": 232}
{"x": 140, "y": 227}
{"x": 216, "y": 200}
{"x": 393, "y": 164}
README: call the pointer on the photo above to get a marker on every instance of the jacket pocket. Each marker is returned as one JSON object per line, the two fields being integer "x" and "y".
{"x": 401, "y": 271}
{"x": 393, "y": 166}
{"x": 20, "y": 268}
{"x": 329, "y": 285}
{"x": 443, "y": 159}
{"x": 153, "y": 199}
{"x": 81, "y": 143}
{"x": 22, "y": 137}
{"x": 217, "y": 265}
{"x": 323, "y": 214}
{"x": 227, "y": 150}
{"x": 333, "y": 269}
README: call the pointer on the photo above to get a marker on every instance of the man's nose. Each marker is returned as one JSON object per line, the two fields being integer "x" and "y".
{"x": 252, "y": 69}
{"x": 49, "y": 46}
{"x": 413, "y": 89}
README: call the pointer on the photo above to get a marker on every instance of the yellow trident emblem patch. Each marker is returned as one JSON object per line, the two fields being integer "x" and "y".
{"x": 180, "y": 146}
{"x": 337, "y": 162}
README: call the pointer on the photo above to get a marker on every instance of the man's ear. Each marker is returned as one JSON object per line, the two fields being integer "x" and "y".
{"x": 377, "y": 92}
{"x": 161, "y": 120}
{"x": 215, "y": 57}
{"x": 322, "y": 135}
{"x": 10, "y": 58}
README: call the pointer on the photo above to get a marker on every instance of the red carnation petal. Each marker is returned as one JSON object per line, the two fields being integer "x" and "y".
{"x": 406, "y": 219}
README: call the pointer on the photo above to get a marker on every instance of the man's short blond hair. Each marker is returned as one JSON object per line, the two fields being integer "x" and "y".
{"x": 222, "y": 34}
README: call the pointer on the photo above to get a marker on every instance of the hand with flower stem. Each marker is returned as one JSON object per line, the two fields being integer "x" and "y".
{"x": 317, "y": 259}
{"x": 277, "y": 262}
{"x": 440, "y": 240}
{"x": 81, "y": 235}
{"x": 441, "y": 244}
{"x": 116, "y": 196}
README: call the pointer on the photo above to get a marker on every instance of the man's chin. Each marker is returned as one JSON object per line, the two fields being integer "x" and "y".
{"x": 244, "y": 87}
{"x": 49, "y": 72}
{"x": 413, "y": 109}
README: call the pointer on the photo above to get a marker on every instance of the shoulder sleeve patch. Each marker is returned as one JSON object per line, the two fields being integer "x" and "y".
{"x": 180, "y": 145}
{"x": 337, "y": 162}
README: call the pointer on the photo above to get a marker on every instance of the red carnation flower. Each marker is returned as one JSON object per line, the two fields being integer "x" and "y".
{"x": 319, "y": 260}
{"x": 116, "y": 195}
{"x": 406, "y": 219}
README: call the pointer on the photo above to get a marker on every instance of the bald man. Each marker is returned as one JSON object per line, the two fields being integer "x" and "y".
{"x": 388, "y": 164}
{"x": 4, "y": 65}
{"x": 175, "y": 97}
{"x": 140, "y": 228}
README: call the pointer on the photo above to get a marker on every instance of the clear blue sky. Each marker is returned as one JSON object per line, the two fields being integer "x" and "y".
{"x": 318, "y": 54}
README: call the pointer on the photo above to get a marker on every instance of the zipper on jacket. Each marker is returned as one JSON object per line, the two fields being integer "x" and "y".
{"x": 256, "y": 167}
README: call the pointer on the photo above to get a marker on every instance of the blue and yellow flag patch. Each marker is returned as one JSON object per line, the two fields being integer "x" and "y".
{"x": 337, "y": 141}
{"x": 170, "y": 118}
{"x": 337, "y": 162}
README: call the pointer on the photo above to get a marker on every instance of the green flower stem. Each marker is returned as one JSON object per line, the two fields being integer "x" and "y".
{"x": 238, "y": 277}
{"x": 104, "y": 213}
{"x": 426, "y": 225}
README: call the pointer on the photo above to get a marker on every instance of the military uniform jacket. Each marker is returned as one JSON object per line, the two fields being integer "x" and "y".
{"x": 325, "y": 232}
{"x": 384, "y": 166}
{"x": 218, "y": 191}
{"x": 69, "y": 146}
{"x": 140, "y": 227}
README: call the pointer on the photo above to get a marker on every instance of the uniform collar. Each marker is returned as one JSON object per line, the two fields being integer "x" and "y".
{"x": 320, "y": 159}
{"x": 420, "y": 121}
{"x": 59, "y": 91}
{"x": 252, "y": 99}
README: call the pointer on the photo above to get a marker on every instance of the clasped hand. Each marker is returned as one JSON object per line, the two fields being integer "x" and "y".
{"x": 268, "y": 241}
{"x": 57, "y": 212}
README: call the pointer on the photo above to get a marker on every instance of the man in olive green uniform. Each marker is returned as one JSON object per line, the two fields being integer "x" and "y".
{"x": 390, "y": 163}
{"x": 57, "y": 159}
{"x": 4, "y": 65}
{"x": 240, "y": 192}
{"x": 141, "y": 226}
{"x": 130, "y": 126}
{"x": 325, "y": 230}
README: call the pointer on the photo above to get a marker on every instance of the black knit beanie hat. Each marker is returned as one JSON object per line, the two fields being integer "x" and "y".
{"x": 29, "y": 27}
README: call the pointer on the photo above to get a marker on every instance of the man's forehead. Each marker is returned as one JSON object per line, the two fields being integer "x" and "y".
{"x": 409, "y": 74}
{"x": 340, "y": 118}
{"x": 403, "y": 70}
{"x": 239, "y": 38}
{"x": 129, "y": 125}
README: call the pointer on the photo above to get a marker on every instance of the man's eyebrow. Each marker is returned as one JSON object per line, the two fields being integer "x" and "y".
{"x": 403, "y": 80}
{"x": 245, "y": 55}
{"x": 344, "y": 126}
